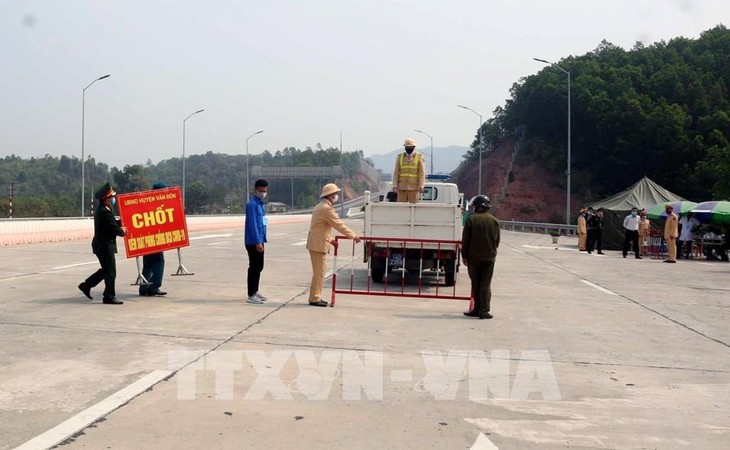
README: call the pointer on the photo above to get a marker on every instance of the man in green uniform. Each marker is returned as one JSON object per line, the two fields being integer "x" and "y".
{"x": 479, "y": 242}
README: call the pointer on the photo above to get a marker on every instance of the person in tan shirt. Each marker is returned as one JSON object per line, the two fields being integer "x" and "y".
{"x": 671, "y": 233}
{"x": 409, "y": 175}
{"x": 324, "y": 219}
{"x": 644, "y": 227}
{"x": 582, "y": 230}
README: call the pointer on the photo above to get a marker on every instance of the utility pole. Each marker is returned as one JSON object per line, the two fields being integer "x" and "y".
{"x": 11, "y": 191}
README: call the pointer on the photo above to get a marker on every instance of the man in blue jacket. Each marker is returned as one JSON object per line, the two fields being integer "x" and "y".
{"x": 255, "y": 238}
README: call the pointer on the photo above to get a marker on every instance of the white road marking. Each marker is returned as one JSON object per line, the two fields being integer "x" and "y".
{"x": 64, "y": 430}
{"x": 548, "y": 247}
{"x": 483, "y": 443}
{"x": 705, "y": 264}
{"x": 278, "y": 234}
{"x": 595, "y": 286}
{"x": 219, "y": 243}
{"x": 304, "y": 242}
{"x": 210, "y": 236}
{"x": 518, "y": 251}
{"x": 74, "y": 265}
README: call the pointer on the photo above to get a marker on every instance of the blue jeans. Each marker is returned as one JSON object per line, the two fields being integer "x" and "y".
{"x": 153, "y": 267}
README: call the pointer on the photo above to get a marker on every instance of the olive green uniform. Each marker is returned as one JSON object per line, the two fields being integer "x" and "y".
{"x": 480, "y": 240}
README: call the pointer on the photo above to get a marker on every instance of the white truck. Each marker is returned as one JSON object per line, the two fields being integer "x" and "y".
{"x": 436, "y": 217}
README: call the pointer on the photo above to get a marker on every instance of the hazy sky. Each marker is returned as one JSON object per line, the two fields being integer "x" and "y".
{"x": 299, "y": 70}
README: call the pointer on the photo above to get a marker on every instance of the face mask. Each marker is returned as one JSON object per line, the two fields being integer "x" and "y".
{"x": 409, "y": 150}
{"x": 114, "y": 200}
{"x": 633, "y": 213}
{"x": 335, "y": 198}
{"x": 260, "y": 195}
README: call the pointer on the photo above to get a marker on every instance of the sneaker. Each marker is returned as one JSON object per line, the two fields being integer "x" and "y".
{"x": 261, "y": 296}
{"x": 253, "y": 299}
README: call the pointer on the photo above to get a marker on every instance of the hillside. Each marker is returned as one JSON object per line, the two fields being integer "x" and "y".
{"x": 532, "y": 195}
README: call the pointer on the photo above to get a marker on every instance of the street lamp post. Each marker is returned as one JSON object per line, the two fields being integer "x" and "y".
{"x": 430, "y": 137}
{"x": 83, "y": 163}
{"x": 568, "y": 170}
{"x": 183, "y": 155}
{"x": 247, "y": 173}
{"x": 479, "y": 144}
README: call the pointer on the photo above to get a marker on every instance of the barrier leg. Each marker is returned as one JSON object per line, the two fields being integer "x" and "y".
{"x": 141, "y": 280}
{"x": 334, "y": 274}
{"x": 181, "y": 270}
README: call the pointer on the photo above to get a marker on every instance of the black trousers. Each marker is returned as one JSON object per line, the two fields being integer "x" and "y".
{"x": 255, "y": 266}
{"x": 153, "y": 267}
{"x": 107, "y": 272}
{"x": 631, "y": 241}
{"x": 595, "y": 241}
{"x": 480, "y": 273}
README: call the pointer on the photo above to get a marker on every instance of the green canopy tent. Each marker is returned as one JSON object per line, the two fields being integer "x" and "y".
{"x": 643, "y": 194}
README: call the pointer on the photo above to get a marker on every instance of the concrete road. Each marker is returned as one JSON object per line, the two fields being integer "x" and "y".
{"x": 584, "y": 352}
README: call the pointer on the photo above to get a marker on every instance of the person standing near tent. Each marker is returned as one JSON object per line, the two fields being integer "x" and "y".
{"x": 671, "y": 233}
{"x": 631, "y": 233}
{"x": 595, "y": 232}
{"x": 687, "y": 225}
{"x": 582, "y": 230}
{"x": 644, "y": 227}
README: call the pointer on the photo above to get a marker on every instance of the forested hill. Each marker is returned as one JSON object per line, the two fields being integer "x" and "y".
{"x": 661, "y": 110}
{"x": 215, "y": 182}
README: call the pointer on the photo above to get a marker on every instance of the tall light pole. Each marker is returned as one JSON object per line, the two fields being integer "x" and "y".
{"x": 247, "y": 180}
{"x": 479, "y": 144}
{"x": 183, "y": 155}
{"x": 568, "y": 170}
{"x": 83, "y": 163}
{"x": 430, "y": 137}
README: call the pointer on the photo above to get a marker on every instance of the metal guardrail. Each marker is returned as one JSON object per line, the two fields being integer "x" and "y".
{"x": 538, "y": 227}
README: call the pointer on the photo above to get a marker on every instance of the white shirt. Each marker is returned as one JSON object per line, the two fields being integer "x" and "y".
{"x": 687, "y": 226}
{"x": 631, "y": 223}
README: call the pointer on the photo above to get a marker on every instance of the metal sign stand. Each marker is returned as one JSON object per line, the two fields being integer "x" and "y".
{"x": 141, "y": 280}
{"x": 181, "y": 270}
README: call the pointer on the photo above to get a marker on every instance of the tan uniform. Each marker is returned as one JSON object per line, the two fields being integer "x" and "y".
{"x": 582, "y": 232}
{"x": 644, "y": 226}
{"x": 409, "y": 176}
{"x": 671, "y": 233}
{"x": 324, "y": 219}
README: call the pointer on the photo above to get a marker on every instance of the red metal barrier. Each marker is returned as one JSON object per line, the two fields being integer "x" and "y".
{"x": 433, "y": 250}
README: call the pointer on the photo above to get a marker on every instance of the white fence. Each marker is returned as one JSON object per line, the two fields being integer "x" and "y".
{"x": 29, "y": 231}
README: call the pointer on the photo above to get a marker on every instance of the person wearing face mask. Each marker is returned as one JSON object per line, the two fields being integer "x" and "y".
{"x": 687, "y": 226}
{"x": 255, "y": 238}
{"x": 104, "y": 246}
{"x": 631, "y": 233}
{"x": 671, "y": 233}
{"x": 409, "y": 176}
{"x": 324, "y": 219}
{"x": 644, "y": 227}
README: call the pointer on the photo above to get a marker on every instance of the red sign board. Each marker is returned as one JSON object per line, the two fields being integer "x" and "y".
{"x": 155, "y": 221}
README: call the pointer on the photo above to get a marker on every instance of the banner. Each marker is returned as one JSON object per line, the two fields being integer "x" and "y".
{"x": 155, "y": 221}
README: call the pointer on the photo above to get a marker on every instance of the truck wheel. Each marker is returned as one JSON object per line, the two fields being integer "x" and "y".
{"x": 378, "y": 275}
{"x": 450, "y": 278}
{"x": 450, "y": 272}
